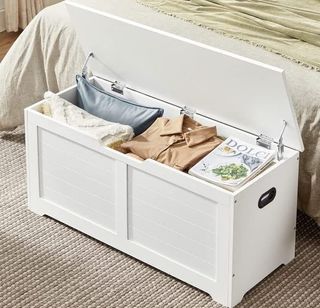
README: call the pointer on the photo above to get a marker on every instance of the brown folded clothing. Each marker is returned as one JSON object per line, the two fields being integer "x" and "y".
{"x": 179, "y": 143}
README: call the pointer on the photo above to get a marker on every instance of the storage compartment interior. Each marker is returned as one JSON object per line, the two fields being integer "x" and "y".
{"x": 171, "y": 110}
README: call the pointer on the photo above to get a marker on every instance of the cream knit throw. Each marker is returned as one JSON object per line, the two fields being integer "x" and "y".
{"x": 108, "y": 133}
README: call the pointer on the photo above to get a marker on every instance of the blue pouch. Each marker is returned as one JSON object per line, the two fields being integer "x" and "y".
{"x": 111, "y": 108}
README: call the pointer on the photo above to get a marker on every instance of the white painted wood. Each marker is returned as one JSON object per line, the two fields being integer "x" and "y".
{"x": 32, "y": 159}
{"x": 121, "y": 179}
{"x": 264, "y": 239}
{"x": 147, "y": 255}
{"x": 157, "y": 169}
{"x": 79, "y": 179}
{"x": 217, "y": 83}
{"x": 191, "y": 229}
{"x": 162, "y": 214}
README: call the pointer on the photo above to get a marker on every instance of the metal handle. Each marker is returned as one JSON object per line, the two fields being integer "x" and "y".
{"x": 267, "y": 197}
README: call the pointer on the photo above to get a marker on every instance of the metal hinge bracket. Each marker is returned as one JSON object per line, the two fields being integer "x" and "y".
{"x": 280, "y": 142}
{"x": 190, "y": 112}
{"x": 118, "y": 87}
{"x": 266, "y": 142}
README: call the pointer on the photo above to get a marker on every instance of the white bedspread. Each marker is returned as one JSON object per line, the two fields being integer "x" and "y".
{"x": 45, "y": 57}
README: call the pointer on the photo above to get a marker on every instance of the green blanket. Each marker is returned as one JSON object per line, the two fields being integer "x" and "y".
{"x": 290, "y": 28}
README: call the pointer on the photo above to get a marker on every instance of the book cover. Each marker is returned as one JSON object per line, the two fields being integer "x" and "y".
{"x": 232, "y": 163}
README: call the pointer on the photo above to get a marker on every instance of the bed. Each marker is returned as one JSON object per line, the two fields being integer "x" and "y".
{"x": 47, "y": 56}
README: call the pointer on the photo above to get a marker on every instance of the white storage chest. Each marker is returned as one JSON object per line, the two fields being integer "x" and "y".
{"x": 219, "y": 241}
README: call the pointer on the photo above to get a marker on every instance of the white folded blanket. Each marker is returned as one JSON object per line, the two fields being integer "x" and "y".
{"x": 108, "y": 133}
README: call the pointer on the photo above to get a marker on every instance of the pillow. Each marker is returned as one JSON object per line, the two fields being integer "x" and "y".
{"x": 114, "y": 109}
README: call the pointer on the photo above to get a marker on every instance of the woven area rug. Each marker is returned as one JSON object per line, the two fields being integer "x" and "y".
{"x": 44, "y": 263}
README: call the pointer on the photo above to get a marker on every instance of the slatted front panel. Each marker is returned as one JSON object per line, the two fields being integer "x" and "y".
{"x": 172, "y": 221}
{"x": 77, "y": 179}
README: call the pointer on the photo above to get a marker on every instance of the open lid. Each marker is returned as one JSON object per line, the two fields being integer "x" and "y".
{"x": 240, "y": 92}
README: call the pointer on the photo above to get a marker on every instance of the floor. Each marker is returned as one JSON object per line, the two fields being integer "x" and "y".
{"x": 6, "y": 41}
{"x": 45, "y": 264}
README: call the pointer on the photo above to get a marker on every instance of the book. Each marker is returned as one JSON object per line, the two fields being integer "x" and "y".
{"x": 233, "y": 163}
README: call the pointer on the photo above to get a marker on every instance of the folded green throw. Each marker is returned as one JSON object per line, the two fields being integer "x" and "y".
{"x": 290, "y": 28}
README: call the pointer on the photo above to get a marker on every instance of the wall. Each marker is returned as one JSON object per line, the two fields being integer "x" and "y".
{"x": 1, "y": 15}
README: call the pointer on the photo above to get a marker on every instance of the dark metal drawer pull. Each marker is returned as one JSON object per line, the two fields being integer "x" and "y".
{"x": 267, "y": 197}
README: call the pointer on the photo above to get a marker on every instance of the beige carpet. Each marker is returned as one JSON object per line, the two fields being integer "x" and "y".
{"x": 46, "y": 264}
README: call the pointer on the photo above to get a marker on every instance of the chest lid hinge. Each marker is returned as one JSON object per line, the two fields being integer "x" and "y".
{"x": 84, "y": 72}
{"x": 280, "y": 142}
{"x": 190, "y": 112}
{"x": 118, "y": 87}
{"x": 266, "y": 142}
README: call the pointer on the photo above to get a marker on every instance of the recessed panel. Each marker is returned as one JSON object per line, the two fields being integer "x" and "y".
{"x": 172, "y": 221}
{"x": 77, "y": 179}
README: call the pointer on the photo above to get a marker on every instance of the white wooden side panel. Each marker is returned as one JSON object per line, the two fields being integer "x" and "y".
{"x": 263, "y": 239}
{"x": 173, "y": 222}
{"x": 32, "y": 164}
{"x": 77, "y": 178}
